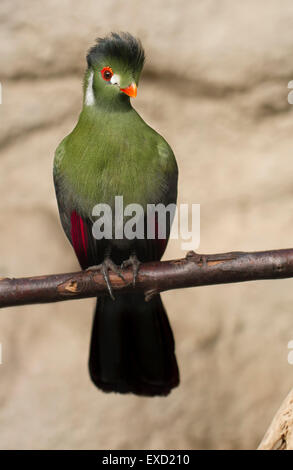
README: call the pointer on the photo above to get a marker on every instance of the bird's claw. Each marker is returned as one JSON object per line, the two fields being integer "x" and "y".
{"x": 106, "y": 266}
{"x": 135, "y": 263}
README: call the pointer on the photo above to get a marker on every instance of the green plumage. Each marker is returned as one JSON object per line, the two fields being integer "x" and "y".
{"x": 113, "y": 152}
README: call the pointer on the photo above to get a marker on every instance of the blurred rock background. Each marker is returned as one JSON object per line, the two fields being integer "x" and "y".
{"x": 215, "y": 85}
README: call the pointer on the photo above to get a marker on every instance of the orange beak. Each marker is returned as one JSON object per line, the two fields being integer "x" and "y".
{"x": 131, "y": 90}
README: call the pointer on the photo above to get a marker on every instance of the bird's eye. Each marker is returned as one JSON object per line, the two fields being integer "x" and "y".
{"x": 107, "y": 73}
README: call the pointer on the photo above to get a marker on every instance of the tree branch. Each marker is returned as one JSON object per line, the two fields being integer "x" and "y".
{"x": 279, "y": 435}
{"x": 194, "y": 270}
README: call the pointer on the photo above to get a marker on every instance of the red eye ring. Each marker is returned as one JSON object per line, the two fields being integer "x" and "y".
{"x": 107, "y": 73}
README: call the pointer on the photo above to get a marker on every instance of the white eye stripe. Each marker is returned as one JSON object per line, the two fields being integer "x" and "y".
{"x": 89, "y": 94}
{"x": 115, "y": 80}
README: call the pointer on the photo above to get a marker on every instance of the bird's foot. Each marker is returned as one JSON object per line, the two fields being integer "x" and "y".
{"x": 135, "y": 263}
{"x": 106, "y": 266}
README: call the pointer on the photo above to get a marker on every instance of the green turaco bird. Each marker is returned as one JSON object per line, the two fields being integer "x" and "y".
{"x": 113, "y": 152}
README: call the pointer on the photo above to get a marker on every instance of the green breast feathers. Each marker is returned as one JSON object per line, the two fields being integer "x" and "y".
{"x": 116, "y": 154}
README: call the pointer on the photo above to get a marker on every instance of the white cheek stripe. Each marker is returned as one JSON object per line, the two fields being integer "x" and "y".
{"x": 115, "y": 80}
{"x": 89, "y": 95}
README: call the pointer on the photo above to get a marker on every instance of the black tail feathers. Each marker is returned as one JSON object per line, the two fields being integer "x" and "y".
{"x": 132, "y": 347}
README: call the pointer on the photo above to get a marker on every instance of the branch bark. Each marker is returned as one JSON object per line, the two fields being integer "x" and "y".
{"x": 194, "y": 270}
{"x": 279, "y": 435}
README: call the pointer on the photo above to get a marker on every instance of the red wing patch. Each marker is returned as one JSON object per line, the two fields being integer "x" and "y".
{"x": 79, "y": 238}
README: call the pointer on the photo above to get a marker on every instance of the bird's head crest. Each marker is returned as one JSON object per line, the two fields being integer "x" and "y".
{"x": 115, "y": 63}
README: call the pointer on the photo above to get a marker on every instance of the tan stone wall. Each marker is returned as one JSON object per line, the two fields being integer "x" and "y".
{"x": 215, "y": 85}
